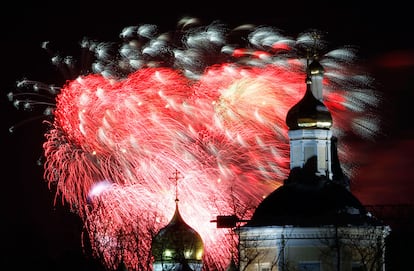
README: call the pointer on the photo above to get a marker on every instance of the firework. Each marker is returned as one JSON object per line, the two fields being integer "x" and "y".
{"x": 207, "y": 101}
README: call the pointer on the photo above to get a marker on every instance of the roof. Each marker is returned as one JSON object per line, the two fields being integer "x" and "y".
{"x": 310, "y": 201}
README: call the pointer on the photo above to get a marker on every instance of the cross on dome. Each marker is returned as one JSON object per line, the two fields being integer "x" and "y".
{"x": 176, "y": 175}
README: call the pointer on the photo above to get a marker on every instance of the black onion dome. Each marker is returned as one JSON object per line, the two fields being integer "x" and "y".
{"x": 177, "y": 242}
{"x": 316, "y": 68}
{"x": 309, "y": 205}
{"x": 309, "y": 113}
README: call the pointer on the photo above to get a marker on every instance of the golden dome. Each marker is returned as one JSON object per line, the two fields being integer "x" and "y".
{"x": 309, "y": 112}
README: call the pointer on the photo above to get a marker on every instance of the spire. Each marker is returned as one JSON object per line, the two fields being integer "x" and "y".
{"x": 316, "y": 71}
{"x": 175, "y": 178}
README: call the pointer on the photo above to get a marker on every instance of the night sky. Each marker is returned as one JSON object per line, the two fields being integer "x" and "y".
{"x": 46, "y": 235}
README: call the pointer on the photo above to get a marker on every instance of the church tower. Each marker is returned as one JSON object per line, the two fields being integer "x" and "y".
{"x": 313, "y": 221}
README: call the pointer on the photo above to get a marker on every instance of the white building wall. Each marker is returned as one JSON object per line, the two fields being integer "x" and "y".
{"x": 305, "y": 144}
{"x": 332, "y": 248}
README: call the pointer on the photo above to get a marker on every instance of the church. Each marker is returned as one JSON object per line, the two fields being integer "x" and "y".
{"x": 311, "y": 223}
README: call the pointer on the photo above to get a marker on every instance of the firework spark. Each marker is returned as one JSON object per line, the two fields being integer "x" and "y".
{"x": 206, "y": 100}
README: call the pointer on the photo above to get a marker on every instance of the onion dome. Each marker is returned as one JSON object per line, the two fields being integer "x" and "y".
{"x": 302, "y": 203}
{"x": 309, "y": 112}
{"x": 308, "y": 200}
{"x": 315, "y": 68}
{"x": 178, "y": 243}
